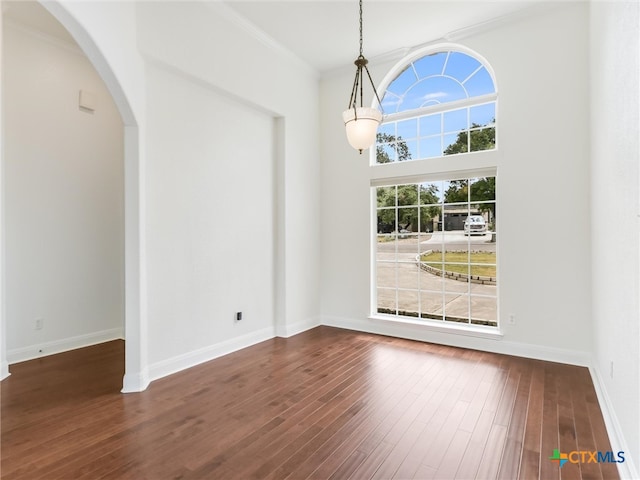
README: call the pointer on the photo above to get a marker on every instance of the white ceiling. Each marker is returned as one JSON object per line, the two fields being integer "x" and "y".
{"x": 324, "y": 34}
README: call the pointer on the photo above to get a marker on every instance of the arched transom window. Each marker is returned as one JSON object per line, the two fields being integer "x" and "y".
{"x": 440, "y": 104}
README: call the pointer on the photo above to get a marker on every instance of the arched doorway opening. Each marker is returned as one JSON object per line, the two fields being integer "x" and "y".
{"x": 135, "y": 378}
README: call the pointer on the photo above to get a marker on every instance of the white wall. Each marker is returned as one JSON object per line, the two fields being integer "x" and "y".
{"x": 210, "y": 180}
{"x": 543, "y": 192}
{"x": 64, "y": 200}
{"x": 615, "y": 128}
{"x": 212, "y": 48}
{"x": 231, "y": 172}
{"x": 117, "y": 60}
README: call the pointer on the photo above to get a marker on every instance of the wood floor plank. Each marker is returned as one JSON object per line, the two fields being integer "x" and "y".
{"x": 550, "y": 429}
{"x": 530, "y": 462}
{"x": 567, "y": 429}
{"x": 327, "y": 403}
{"x": 473, "y": 454}
{"x": 511, "y": 456}
{"x": 584, "y": 434}
{"x": 492, "y": 453}
{"x": 452, "y": 457}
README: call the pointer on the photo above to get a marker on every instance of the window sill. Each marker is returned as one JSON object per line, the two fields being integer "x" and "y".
{"x": 493, "y": 333}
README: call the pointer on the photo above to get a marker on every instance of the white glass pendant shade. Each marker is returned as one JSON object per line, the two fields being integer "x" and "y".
{"x": 362, "y": 125}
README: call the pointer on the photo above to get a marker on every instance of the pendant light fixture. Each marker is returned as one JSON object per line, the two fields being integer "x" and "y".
{"x": 361, "y": 122}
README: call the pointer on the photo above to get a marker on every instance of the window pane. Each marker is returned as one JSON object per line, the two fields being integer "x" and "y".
{"x": 386, "y": 153}
{"x": 430, "y": 64}
{"x": 430, "y": 193}
{"x": 431, "y": 125}
{"x": 483, "y": 189}
{"x": 431, "y": 305}
{"x": 484, "y": 310}
{"x": 455, "y": 120}
{"x": 386, "y": 274}
{"x": 433, "y": 91}
{"x": 393, "y": 150}
{"x": 480, "y": 83}
{"x": 386, "y": 196}
{"x": 456, "y": 191}
{"x": 436, "y": 252}
{"x": 408, "y": 303}
{"x": 454, "y": 217}
{"x": 434, "y": 215}
{"x": 408, "y": 276}
{"x": 431, "y": 147}
{"x": 483, "y": 139}
{"x": 407, "y": 194}
{"x": 411, "y": 151}
{"x": 386, "y": 301}
{"x": 428, "y": 218}
{"x": 386, "y": 220}
{"x": 432, "y": 263}
{"x": 407, "y": 220}
{"x": 403, "y": 81}
{"x": 455, "y": 143}
{"x": 456, "y": 308}
{"x": 460, "y": 66}
{"x": 386, "y": 247}
{"x": 386, "y": 129}
{"x": 408, "y": 128}
{"x": 456, "y": 279}
{"x": 409, "y": 249}
{"x": 390, "y": 102}
{"x": 483, "y": 114}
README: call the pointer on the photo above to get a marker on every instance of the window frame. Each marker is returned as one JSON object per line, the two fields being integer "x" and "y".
{"x": 474, "y": 164}
{"x": 438, "y": 108}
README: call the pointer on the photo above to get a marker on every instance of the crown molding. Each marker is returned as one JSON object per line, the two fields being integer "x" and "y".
{"x": 229, "y": 14}
{"x": 451, "y": 37}
{"x": 494, "y": 23}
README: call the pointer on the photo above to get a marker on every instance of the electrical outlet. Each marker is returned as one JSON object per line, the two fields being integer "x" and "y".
{"x": 512, "y": 319}
{"x": 39, "y": 323}
{"x": 238, "y": 316}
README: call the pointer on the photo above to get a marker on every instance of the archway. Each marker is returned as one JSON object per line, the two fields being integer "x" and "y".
{"x": 135, "y": 378}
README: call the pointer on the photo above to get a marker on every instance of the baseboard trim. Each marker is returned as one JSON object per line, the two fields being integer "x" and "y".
{"x": 4, "y": 370}
{"x": 63, "y": 345}
{"x": 134, "y": 383}
{"x": 627, "y": 469}
{"x": 415, "y": 332}
{"x": 286, "y": 331}
{"x": 191, "y": 359}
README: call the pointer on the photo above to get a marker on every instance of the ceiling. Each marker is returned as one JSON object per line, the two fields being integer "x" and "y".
{"x": 324, "y": 34}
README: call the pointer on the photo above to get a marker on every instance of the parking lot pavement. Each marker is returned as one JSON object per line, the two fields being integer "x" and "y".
{"x": 421, "y": 291}
{"x": 445, "y": 241}
{"x": 458, "y": 236}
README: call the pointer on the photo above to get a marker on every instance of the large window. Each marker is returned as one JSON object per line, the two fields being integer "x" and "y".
{"x": 440, "y": 104}
{"x": 436, "y": 241}
{"x": 436, "y": 251}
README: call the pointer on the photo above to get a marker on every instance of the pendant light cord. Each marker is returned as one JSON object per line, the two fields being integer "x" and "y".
{"x": 358, "y": 84}
{"x": 361, "y": 28}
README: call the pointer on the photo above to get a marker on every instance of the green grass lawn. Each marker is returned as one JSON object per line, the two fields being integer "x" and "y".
{"x": 457, "y": 262}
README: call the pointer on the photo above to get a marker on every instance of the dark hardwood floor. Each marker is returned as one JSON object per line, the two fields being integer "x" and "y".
{"x": 326, "y": 404}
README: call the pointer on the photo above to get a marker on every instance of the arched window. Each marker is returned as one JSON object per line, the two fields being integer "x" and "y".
{"x": 435, "y": 229}
{"x": 439, "y": 104}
